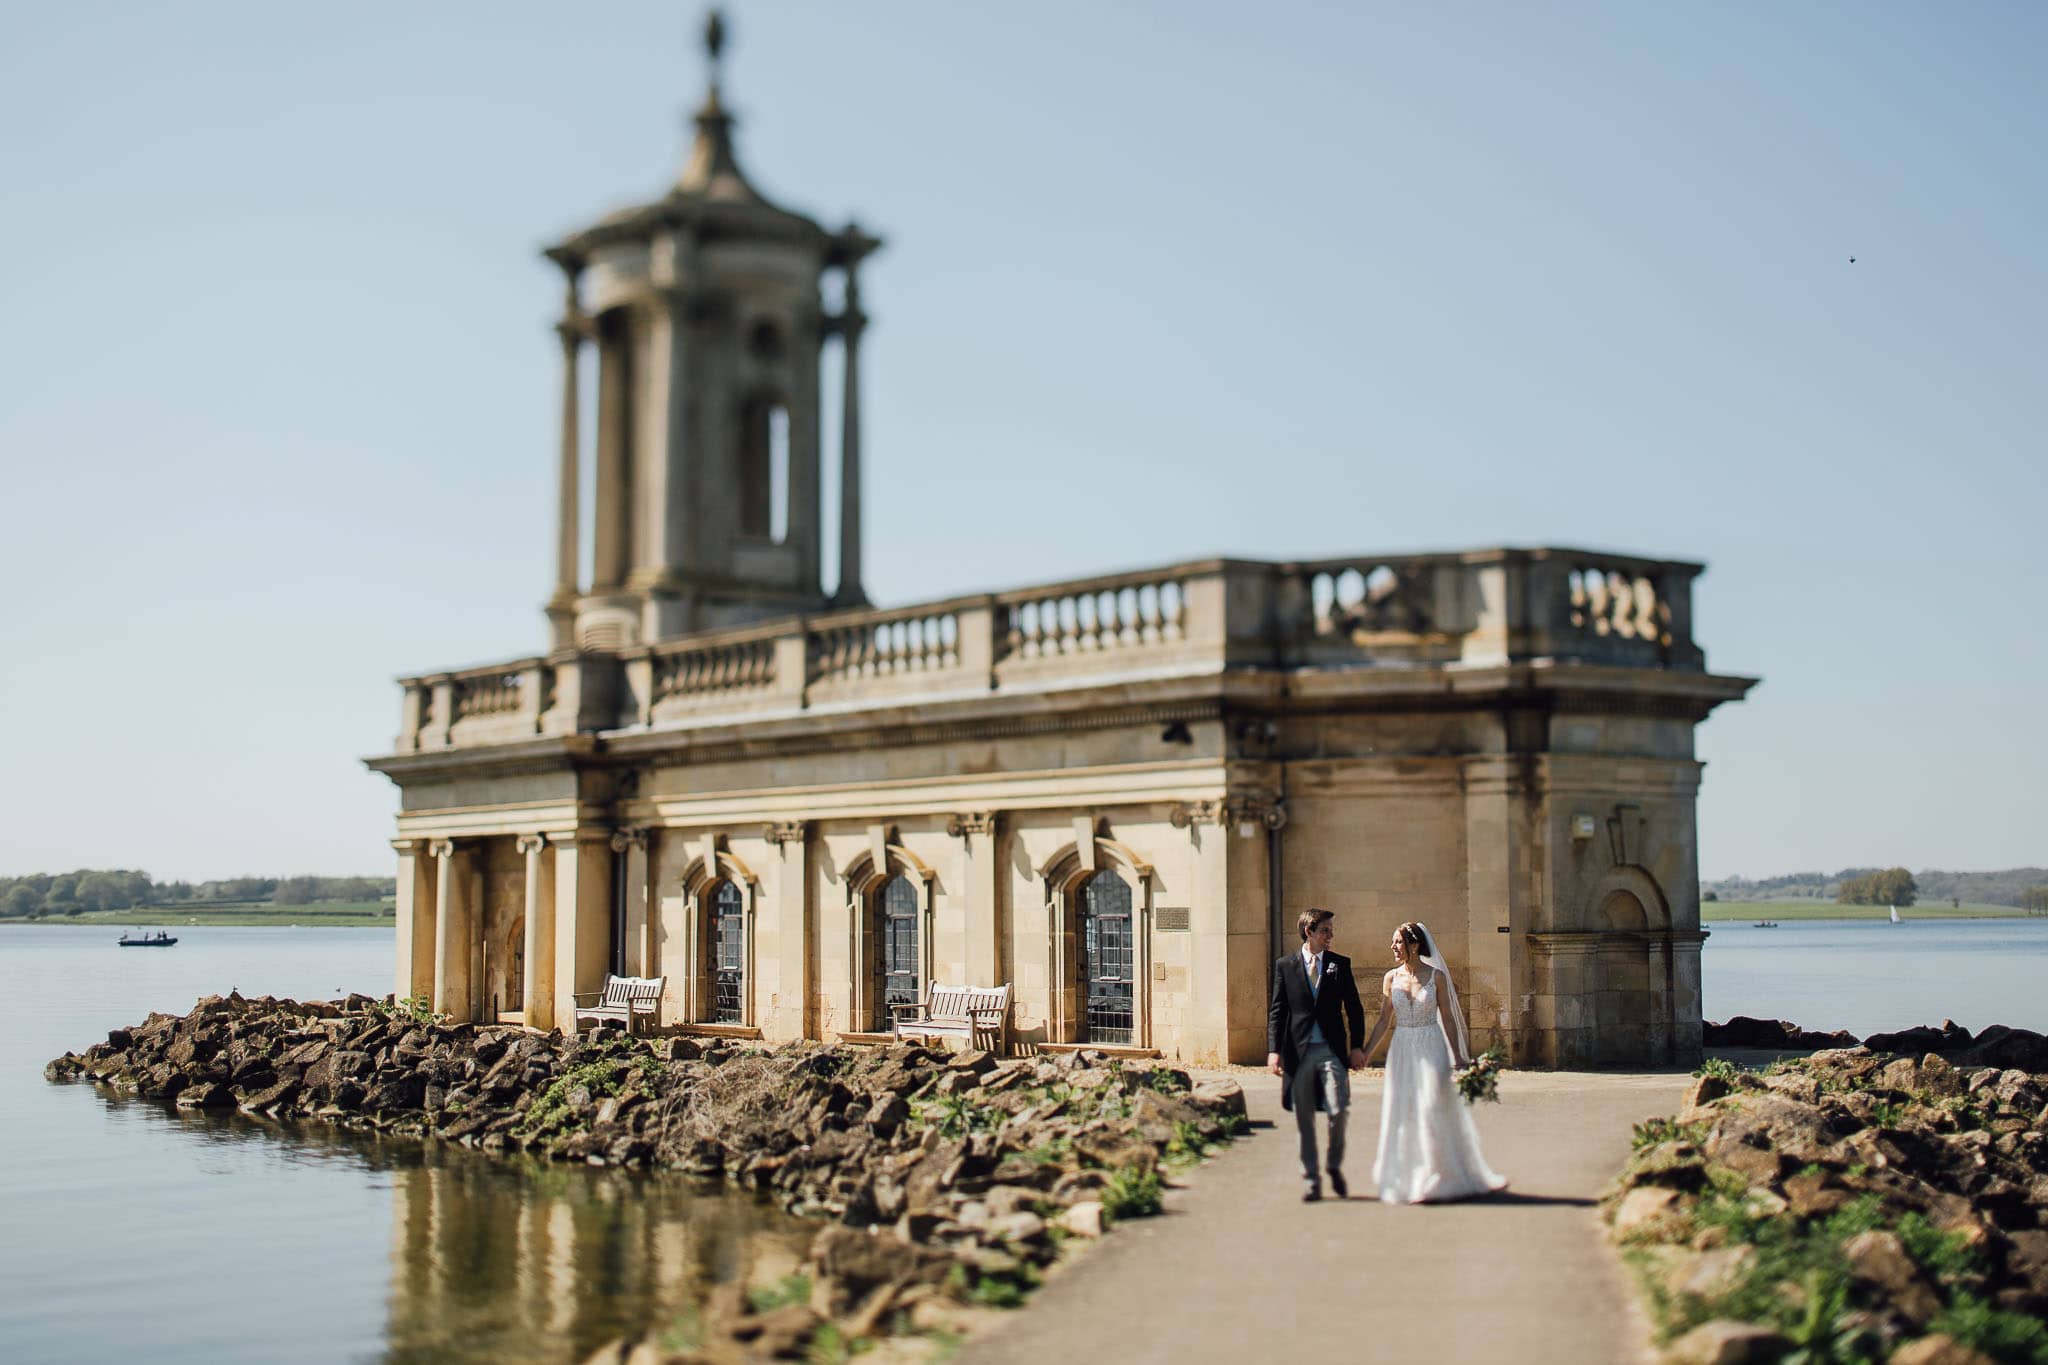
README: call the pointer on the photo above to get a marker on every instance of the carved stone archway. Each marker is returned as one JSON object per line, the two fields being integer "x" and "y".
{"x": 1065, "y": 875}
{"x": 864, "y": 880}
{"x": 700, "y": 882}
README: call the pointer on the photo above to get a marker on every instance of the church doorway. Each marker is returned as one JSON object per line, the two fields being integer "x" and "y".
{"x": 1106, "y": 959}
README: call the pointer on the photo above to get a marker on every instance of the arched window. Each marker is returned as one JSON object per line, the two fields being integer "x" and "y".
{"x": 1105, "y": 933}
{"x": 896, "y": 957}
{"x": 763, "y": 469}
{"x": 728, "y": 954}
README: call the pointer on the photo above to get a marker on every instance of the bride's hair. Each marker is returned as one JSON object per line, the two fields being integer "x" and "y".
{"x": 1415, "y": 936}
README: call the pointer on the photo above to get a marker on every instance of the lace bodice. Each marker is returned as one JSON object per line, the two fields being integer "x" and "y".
{"x": 1415, "y": 1011}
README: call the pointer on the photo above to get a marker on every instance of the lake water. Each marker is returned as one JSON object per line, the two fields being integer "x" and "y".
{"x": 133, "y": 1230}
{"x": 1871, "y": 976}
{"x": 215, "y": 1238}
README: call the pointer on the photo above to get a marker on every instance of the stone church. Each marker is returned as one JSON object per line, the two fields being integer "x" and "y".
{"x": 1113, "y": 794}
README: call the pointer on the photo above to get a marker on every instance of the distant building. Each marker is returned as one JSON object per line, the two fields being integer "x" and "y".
{"x": 1114, "y": 793}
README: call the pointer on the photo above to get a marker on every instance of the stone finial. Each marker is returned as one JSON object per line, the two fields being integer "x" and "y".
{"x": 713, "y": 169}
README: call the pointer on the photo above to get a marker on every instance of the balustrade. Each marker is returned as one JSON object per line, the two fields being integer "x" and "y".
{"x": 1473, "y": 609}
{"x": 884, "y": 644}
{"x": 714, "y": 669}
{"x": 1128, "y": 613}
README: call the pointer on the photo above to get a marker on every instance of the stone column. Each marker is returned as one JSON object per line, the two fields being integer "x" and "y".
{"x": 978, "y": 832}
{"x": 568, "y": 513}
{"x": 852, "y": 321}
{"x": 451, "y": 936}
{"x": 638, "y": 950}
{"x": 610, "y": 551}
{"x": 414, "y": 975}
{"x": 538, "y": 989}
{"x": 583, "y": 915}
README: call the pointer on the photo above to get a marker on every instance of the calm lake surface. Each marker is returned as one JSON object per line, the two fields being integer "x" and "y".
{"x": 215, "y": 1238}
{"x": 1872, "y": 976}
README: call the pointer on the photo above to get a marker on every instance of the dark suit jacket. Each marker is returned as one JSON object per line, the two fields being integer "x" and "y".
{"x": 1294, "y": 1010}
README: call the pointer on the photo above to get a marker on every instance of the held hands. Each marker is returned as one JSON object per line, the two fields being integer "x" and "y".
{"x": 1273, "y": 1063}
{"x": 1358, "y": 1061}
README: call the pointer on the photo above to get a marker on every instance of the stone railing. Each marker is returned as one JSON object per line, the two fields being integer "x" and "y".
{"x": 1470, "y": 610}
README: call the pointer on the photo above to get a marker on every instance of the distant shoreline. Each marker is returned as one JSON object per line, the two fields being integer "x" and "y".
{"x": 332, "y": 915}
{"x": 1736, "y": 912}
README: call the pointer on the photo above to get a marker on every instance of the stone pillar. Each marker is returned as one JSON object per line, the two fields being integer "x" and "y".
{"x": 538, "y": 989}
{"x": 452, "y": 934}
{"x": 414, "y": 977}
{"x": 610, "y": 550}
{"x": 583, "y": 914}
{"x": 851, "y": 323}
{"x": 806, "y": 466}
{"x": 979, "y": 832}
{"x": 568, "y": 513}
{"x": 638, "y": 952}
{"x": 1499, "y": 892}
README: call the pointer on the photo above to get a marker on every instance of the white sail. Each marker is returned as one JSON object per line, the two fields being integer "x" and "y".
{"x": 1895, "y": 914}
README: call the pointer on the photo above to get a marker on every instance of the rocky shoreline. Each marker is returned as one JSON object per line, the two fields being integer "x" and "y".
{"x": 951, "y": 1182}
{"x": 1849, "y": 1206}
{"x": 1997, "y": 1046}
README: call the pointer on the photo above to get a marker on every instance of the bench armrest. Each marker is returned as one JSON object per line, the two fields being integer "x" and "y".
{"x": 915, "y": 1011}
{"x": 592, "y": 997}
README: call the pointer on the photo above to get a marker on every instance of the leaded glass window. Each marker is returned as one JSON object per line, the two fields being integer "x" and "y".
{"x": 728, "y": 955}
{"x": 1106, "y": 958}
{"x": 896, "y": 962}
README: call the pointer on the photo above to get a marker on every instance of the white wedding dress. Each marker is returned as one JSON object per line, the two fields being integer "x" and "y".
{"x": 1429, "y": 1148}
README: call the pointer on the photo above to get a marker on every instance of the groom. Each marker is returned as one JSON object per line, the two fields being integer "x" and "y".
{"x": 1314, "y": 1025}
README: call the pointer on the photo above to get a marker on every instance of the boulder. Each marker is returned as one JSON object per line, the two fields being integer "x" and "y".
{"x": 206, "y": 1095}
{"x": 1219, "y": 1097}
{"x": 1714, "y": 1274}
{"x": 1645, "y": 1211}
{"x": 1727, "y": 1343}
{"x": 1704, "y": 1090}
{"x": 2007, "y": 1048}
{"x": 1743, "y": 1031}
{"x": 1083, "y": 1219}
{"x": 1938, "y": 1349}
{"x": 1878, "y": 1259}
{"x": 1812, "y": 1195}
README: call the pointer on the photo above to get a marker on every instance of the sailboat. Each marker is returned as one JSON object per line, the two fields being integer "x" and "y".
{"x": 1895, "y": 914}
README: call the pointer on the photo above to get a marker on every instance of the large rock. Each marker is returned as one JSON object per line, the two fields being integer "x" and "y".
{"x": 1743, "y": 1031}
{"x": 1727, "y": 1343}
{"x": 1950, "y": 1037}
{"x": 1938, "y": 1350}
{"x": 1878, "y": 1260}
{"x": 1645, "y": 1211}
{"x": 2007, "y": 1048}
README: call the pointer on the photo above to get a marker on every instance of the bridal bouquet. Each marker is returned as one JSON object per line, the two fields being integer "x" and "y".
{"x": 1481, "y": 1080}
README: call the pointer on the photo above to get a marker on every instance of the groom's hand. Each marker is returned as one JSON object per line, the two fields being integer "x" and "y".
{"x": 1358, "y": 1059}
{"x": 1273, "y": 1063}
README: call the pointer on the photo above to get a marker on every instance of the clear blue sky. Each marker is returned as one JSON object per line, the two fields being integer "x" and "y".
{"x": 278, "y": 394}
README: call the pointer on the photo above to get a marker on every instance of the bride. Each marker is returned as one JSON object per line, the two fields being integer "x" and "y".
{"x": 1429, "y": 1149}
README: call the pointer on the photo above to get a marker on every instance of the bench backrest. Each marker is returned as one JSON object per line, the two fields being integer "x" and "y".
{"x": 621, "y": 991}
{"x": 954, "y": 1002}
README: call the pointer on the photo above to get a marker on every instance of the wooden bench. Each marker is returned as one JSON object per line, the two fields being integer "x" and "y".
{"x": 979, "y": 1015}
{"x": 624, "y": 1000}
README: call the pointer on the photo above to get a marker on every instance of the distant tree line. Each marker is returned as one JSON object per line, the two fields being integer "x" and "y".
{"x": 2007, "y": 887}
{"x": 1893, "y": 886}
{"x": 2034, "y": 900}
{"x": 71, "y": 893}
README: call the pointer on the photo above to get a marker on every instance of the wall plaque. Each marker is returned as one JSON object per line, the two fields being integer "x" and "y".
{"x": 1169, "y": 919}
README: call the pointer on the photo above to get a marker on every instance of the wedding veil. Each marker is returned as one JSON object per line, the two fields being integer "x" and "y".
{"x": 1461, "y": 1047}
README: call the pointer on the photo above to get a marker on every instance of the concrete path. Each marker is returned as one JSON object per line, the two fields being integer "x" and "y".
{"x": 1239, "y": 1269}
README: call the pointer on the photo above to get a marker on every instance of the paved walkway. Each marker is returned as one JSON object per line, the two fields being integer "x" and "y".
{"x": 1239, "y": 1269}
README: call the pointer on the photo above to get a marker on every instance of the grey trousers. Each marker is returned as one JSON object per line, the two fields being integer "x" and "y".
{"x": 1321, "y": 1072}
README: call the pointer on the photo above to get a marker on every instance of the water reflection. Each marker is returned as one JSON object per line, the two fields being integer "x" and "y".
{"x": 490, "y": 1258}
{"x": 527, "y": 1261}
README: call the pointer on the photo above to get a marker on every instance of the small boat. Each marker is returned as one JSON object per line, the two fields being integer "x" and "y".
{"x": 1765, "y": 924}
{"x": 1895, "y": 914}
{"x": 159, "y": 939}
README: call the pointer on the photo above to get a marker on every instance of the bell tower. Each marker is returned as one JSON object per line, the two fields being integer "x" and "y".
{"x": 704, "y": 312}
